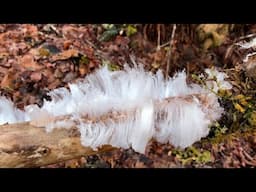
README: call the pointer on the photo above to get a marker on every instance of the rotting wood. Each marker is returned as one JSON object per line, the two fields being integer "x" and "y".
{"x": 24, "y": 145}
{"x": 27, "y": 145}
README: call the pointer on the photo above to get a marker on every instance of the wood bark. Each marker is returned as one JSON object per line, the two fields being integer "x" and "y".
{"x": 24, "y": 145}
{"x": 28, "y": 145}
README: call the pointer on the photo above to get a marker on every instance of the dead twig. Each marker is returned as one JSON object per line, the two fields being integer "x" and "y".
{"x": 170, "y": 51}
{"x": 158, "y": 36}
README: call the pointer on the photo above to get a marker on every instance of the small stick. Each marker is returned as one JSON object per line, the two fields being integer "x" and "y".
{"x": 158, "y": 36}
{"x": 169, "y": 52}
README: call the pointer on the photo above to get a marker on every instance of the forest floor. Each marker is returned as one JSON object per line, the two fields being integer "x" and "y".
{"x": 35, "y": 59}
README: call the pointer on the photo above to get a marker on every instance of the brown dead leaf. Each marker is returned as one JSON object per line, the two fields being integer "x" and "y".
{"x": 49, "y": 74}
{"x": 67, "y": 44}
{"x": 30, "y": 30}
{"x": 65, "y": 55}
{"x": 7, "y": 82}
{"x": 54, "y": 84}
{"x": 3, "y": 71}
{"x": 36, "y": 76}
{"x": 35, "y": 53}
{"x": 3, "y": 55}
{"x": 27, "y": 61}
{"x": 70, "y": 32}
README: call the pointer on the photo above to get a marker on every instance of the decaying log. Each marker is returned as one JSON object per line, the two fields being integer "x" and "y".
{"x": 27, "y": 145}
{"x": 23, "y": 145}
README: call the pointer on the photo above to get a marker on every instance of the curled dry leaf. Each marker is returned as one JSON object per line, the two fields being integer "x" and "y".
{"x": 66, "y": 44}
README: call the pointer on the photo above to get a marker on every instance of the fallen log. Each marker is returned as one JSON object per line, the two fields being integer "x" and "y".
{"x": 24, "y": 145}
{"x": 29, "y": 145}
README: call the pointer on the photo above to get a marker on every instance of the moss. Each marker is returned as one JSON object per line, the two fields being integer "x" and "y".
{"x": 84, "y": 60}
{"x": 44, "y": 52}
{"x": 239, "y": 107}
{"x": 217, "y": 139}
{"x": 130, "y": 30}
{"x": 192, "y": 154}
{"x": 217, "y": 130}
{"x": 212, "y": 35}
{"x": 111, "y": 66}
{"x": 252, "y": 118}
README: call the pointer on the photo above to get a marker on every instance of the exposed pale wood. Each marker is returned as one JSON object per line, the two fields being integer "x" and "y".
{"x": 23, "y": 145}
{"x": 27, "y": 145}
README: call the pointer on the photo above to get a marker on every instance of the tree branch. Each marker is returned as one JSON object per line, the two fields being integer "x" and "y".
{"x": 27, "y": 145}
{"x": 24, "y": 145}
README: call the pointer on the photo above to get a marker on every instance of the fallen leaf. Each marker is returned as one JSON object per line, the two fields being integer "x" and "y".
{"x": 3, "y": 70}
{"x": 69, "y": 32}
{"x": 54, "y": 84}
{"x": 30, "y": 30}
{"x": 67, "y": 44}
{"x": 4, "y": 55}
{"x": 27, "y": 61}
{"x": 36, "y": 76}
{"x": 7, "y": 82}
